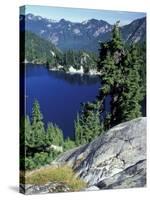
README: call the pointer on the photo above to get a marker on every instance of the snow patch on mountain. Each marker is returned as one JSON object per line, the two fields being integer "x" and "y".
{"x": 42, "y": 31}
{"x": 49, "y": 25}
{"x": 85, "y": 22}
{"x": 76, "y": 31}
{"x": 52, "y": 52}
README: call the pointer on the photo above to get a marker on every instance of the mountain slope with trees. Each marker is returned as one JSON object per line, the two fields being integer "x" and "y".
{"x": 40, "y": 51}
{"x": 135, "y": 31}
{"x": 122, "y": 81}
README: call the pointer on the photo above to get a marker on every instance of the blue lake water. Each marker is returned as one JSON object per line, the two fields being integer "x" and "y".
{"x": 59, "y": 94}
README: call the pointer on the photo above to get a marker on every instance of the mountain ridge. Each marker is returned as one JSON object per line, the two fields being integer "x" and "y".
{"x": 81, "y": 35}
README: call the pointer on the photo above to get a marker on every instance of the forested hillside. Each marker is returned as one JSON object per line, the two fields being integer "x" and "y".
{"x": 38, "y": 50}
{"x": 41, "y": 51}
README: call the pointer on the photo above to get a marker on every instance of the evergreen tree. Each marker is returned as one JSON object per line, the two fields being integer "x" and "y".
{"x": 78, "y": 131}
{"x": 28, "y": 132}
{"x": 38, "y": 130}
{"x": 110, "y": 79}
{"x": 50, "y": 134}
{"x": 69, "y": 144}
{"x": 141, "y": 53}
{"x": 88, "y": 125}
{"x": 116, "y": 42}
{"x": 35, "y": 142}
{"x": 120, "y": 79}
{"x": 54, "y": 135}
{"x": 133, "y": 91}
{"x": 59, "y": 140}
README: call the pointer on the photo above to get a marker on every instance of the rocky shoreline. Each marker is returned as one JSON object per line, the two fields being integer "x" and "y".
{"x": 72, "y": 70}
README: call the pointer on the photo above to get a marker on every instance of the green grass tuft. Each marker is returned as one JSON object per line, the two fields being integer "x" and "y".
{"x": 63, "y": 174}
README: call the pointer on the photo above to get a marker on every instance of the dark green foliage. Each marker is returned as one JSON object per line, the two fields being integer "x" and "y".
{"x": 87, "y": 125}
{"x": 37, "y": 141}
{"x": 54, "y": 135}
{"x": 41, "y": 146}
{"x": 120, "y": 75}
{"x": 28, "y": 132}
{"x": 133, "y": 91}
{"x": 123, "y": 79}
{"x": 40, "y": 159}
{"x": 38, "y": 50}
{"x": 77, "y": 59}
{"x": 38, "y": 131}
{"x": 141, "y": 51}
{"x": 69, "y": 144}
{"x": 116, "y": 42}
{"x": 29, "y": 163}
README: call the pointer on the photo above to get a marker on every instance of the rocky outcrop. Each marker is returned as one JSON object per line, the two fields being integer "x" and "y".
{"x": 134, "y": 176}
{"x": 44, "y": 189}
{"x": 116, "y": 159}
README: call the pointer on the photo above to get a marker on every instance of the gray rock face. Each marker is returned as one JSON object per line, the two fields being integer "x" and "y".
{"x": 116, "y": 159}
{"x": 134, "y": 176}
{"x": 91, "y": 188}
{"x": 44, "y": 189}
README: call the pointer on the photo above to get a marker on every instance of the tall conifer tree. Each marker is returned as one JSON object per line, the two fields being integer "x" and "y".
{"x": 38, "y": 129}
{"x": 87, "y": 125}
{"x": 120, "y": 79}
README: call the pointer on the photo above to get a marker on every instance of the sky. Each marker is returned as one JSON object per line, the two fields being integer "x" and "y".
{"x": 80, "y": 15}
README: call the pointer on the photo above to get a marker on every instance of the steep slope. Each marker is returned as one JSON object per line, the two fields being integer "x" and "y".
{"x": 68, "y": 35}
{"x": 115, "y": 160}
{"x": 80, "y": 36}
{"x": 38, "y": 50}
{"x": 135, "y": 32}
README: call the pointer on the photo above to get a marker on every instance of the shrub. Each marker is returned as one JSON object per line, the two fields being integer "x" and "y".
{"x": 63, "y": 174}
{"x": 69, "y": 144}
{"x": 29, "y": 163}
{"x": 40, "y": 158}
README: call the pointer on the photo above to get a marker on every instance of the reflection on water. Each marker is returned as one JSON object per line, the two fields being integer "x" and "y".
{"x": 76, "y": 78}
{"x": 79, "y": 79}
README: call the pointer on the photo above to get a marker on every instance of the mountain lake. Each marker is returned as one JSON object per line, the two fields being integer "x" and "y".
{"x": 59, "y": 94}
